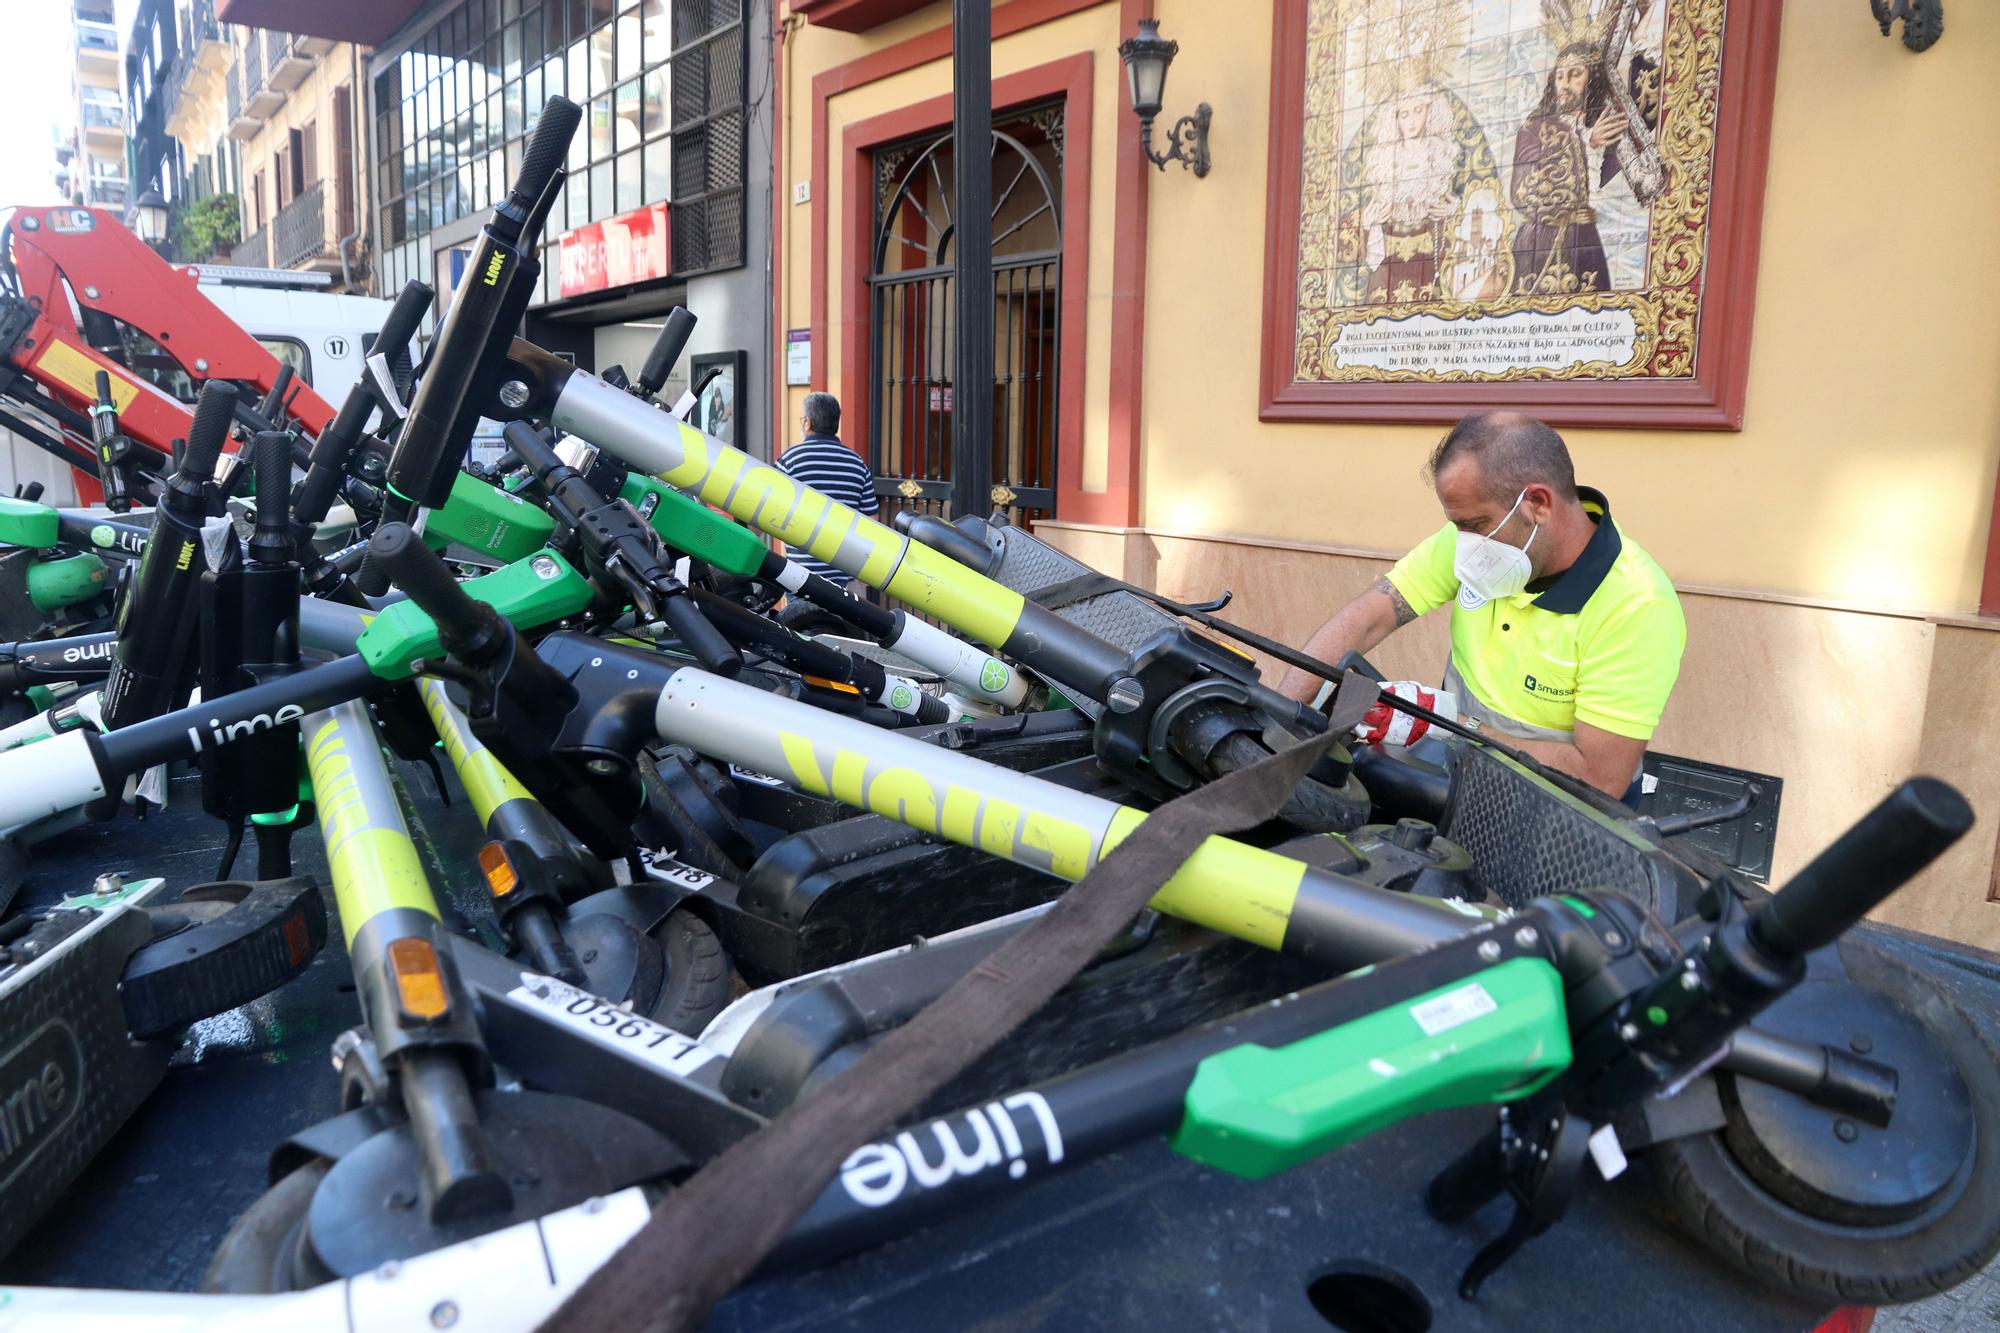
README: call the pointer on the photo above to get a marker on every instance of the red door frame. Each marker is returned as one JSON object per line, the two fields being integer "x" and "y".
{"x": 1070, "y": 78}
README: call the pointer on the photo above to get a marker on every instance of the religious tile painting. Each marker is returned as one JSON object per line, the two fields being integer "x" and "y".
{"x": 1505, "y": 189}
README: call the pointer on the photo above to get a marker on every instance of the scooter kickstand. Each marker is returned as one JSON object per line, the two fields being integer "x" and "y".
{"x": 1543, "y": 1165}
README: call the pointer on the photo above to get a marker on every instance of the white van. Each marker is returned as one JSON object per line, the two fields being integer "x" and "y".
{"x": 320, "y": 334}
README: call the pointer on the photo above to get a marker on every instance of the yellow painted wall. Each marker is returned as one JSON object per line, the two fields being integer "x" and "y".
{"x": 1864, "y": 473}
{"x": 1811, "y": 546}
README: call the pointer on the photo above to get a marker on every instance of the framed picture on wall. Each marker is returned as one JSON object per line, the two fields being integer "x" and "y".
{"x": 1552, "y": 206}
{"x": 717, "y": 381}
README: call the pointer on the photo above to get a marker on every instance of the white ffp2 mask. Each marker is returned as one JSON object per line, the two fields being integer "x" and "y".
{"x": 1488, "y": 568}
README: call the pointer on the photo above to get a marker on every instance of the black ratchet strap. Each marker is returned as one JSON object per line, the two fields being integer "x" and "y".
{"x": 711, "y": 1233}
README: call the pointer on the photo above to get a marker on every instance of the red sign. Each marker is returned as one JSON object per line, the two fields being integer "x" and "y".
{"x": 616, "y": 252}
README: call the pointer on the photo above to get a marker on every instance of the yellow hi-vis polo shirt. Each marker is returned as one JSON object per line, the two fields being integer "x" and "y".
{"x": 1598, "y": 643}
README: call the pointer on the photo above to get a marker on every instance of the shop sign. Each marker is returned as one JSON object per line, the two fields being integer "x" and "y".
{"x": 616, "y": 252}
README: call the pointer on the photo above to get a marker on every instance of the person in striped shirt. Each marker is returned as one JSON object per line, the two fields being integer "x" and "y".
{"x": 822, "y": 462}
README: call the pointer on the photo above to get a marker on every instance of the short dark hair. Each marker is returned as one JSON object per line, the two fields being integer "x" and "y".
{"x": 1514, "y": 452}
{"x": 822, "y": 414}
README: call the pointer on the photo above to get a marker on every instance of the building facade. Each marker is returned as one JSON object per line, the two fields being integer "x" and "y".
{"x": 92, "y": 167}
{"x": 668, "y": 178}
{"x": 295, "y": 110}
{"x": 1831, "y": 544}
{"x": 195, "y": 114}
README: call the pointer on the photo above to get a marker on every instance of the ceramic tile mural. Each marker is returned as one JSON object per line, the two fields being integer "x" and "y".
{"x": 1505, "y": 189}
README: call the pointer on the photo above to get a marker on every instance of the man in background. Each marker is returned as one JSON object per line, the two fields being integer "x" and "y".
{"x": 822, "y": 462}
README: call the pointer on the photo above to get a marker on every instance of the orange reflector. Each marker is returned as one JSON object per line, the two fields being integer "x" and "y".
{"x": 499, "y": 871}
{"x": 826, "y": 684}
{"x": 419, "y": 984}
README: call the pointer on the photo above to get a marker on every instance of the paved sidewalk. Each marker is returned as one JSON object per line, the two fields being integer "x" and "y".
{"x": 1970, "y": 1307}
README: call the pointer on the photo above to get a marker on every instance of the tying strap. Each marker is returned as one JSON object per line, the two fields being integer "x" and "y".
{"x": 708, "y": 1235}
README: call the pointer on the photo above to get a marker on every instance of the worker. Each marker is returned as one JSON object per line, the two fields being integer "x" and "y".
{"x": 1566, "y": 638}
{"x": 822, "y": 462}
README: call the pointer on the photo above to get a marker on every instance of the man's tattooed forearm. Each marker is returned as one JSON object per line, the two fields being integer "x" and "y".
{"x": 1404, "y": 613}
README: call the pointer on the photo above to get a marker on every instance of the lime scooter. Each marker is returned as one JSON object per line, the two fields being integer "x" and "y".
{"x": 1566, "y": 1013}
{"x": 1645, "y": 1009}
{"x": 823, "y": 721}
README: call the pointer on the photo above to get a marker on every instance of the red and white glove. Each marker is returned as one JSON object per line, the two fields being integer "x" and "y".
{"x": 1383, "y": 725}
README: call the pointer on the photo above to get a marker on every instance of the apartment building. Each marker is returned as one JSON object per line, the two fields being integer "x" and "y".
{"x": 194, "y": 109}
{"x": 91, "y": 166}
{"x": 292, "y": 104}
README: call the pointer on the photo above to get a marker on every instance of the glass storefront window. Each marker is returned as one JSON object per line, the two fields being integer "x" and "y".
{"x": 464, "y": 99}
{"x": 579, "y": 71}
{"x": 629, "y": 182}
{"x": 601, "y": 201}
{"x": 627, "y": 130}
{"x": 602, "y": 58}
{"x": 602, "y": 135}
{"x": 659, "y": 169}
{"x": 532, "y": 47}
{"x": 510, "y": 52}
{"x": 511, "y": 126}
{"x": 653, "y": 102}
{"x": 628, "y": 30}
{"x": 653, "y": 19}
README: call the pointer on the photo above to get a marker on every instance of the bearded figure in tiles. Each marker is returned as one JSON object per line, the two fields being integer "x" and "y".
{"x": 1421, "y": 208}
{"x": 1593, "y": 125}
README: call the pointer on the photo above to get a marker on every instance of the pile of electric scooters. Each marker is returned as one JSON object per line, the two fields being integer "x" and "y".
{"x": 813, "y": 928}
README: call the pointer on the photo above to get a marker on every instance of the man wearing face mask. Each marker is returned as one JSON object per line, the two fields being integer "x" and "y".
{"x": 1566, "y": 638}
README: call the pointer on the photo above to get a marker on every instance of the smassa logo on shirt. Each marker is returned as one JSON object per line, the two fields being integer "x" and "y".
{"x": 1546, "y": 690}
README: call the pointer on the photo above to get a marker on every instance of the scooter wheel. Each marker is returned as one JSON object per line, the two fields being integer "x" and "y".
{"x": 1767, "y": 1193}
{"x": 262, "y": 1252}
{"x": 697, "y": 983}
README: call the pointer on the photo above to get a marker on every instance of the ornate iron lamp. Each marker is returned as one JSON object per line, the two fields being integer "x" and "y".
{"x": 150, "y": 212}
{"x": 1146, "y": 58}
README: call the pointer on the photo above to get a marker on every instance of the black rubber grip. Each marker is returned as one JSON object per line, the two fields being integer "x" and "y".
{"x": 699, "y": 637}
{"x": 104, "y": 398}
{"x": 401, "y": 554}
{"x": 667, "y": 349}
{"x": 1912, "y": 826}
{"x": 213, "y": 412}
{"x": 946, "y": 540}
{"x": 530, "y": 448}
{"x": 272, "y": 456}
{"x": 546, "y": 151}
{"x": 274, "y": 401}
{"x": 403, "y": 320}
{"x": 878, "y": 622}
{"x": 932, "y": 710}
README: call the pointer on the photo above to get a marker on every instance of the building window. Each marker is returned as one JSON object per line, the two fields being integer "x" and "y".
{"x": 454, "y": 111}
